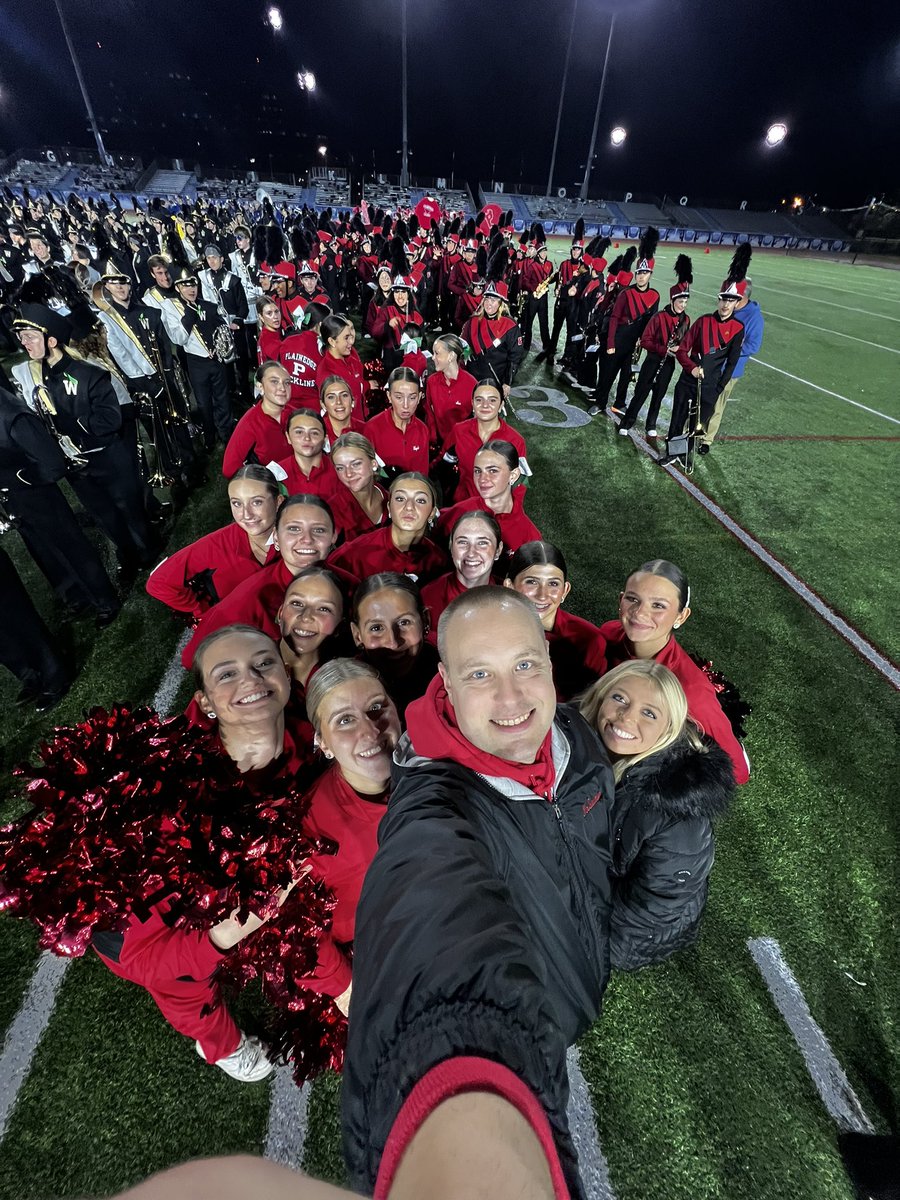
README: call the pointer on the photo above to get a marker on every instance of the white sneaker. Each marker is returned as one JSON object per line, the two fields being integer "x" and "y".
{"x": 651, "y": 433}
{"x": 623, "y": 432}
{"x": 248, "y": 1064}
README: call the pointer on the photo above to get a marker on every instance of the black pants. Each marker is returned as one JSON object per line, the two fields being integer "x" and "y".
{"x": 652, "y": 381}
{"x": 26, "y": 647}
{"x": 245, "y": 361}
{"x": 535, "y": 308}
{"x": 112, "y": 491}
{"x": 612, "y": 365}
{"x": 56, "y": 542}
{"x": 209, "y": 383}
{"x": 561, "y": 312}
{"x": 685, "y": 392}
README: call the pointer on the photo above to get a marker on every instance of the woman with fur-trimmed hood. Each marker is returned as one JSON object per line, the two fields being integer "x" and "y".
{"x": 671, "y": 784}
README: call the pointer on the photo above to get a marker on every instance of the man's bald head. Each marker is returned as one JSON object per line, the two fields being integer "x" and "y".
{"x": 474, "y": 605}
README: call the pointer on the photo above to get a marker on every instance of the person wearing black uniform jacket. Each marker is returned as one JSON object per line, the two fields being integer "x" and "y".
{"x": 536, "y": 272}
{"x": 465, "y": 270}
{"x": 80, "y": 405}
{"x": 221, "y": 288}
{"x": 707, "y": 356}
{"x": 206, "y": 349}
{"x": 243, "y": 264}
{"x": 664, "y": 334}
{"x": 31, "y": 465}
{"x": 586, "y": 294}
{"x": 671, "y": 784}
{"x": 12, "y": 265}
{"x": 495, "y": 338}
{"x": 26, "y": 648}
{"x": 566, "y": 275}
{"x": 632, "y": 309}
{"x": 139, "y": 344}
{"x": 482, "y": 925}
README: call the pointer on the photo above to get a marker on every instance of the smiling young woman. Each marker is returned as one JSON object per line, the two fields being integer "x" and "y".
{"x": 577, "y": 648}
{"x": 389, "y": 624}
{"x": 467, "y": 437}
{"x": 475, "y": 547}
{"x": 402, "y": 545}
{"x": 655, "y": 603}
{"x": 198, "y": 576}
{"x": 364, "y": 504}
{"x": 496, "y": 472}
{"x": 671, "y": 783}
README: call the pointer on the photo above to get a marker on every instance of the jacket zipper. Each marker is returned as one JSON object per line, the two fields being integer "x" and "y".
{"x": 587, "y": 906}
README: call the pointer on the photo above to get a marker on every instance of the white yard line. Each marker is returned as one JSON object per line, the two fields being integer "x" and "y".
{"x": 856, "y": 404}
{"x": 826, "y": 1072}
{"x": 288, "y": 1117}
{"x": 779, "y": 291}
{"x": 33, "y": 1017}
{"x": 591, "y": 1161}
{"x": 820, "y": 328}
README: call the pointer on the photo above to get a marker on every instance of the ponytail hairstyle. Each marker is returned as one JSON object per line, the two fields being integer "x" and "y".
{"x": 531, "y": 554}
{"x": 506, "y": 451}
{"x": 258, "y": 474}
{"x": 402, "y": 375}
{"x": 668, "y": 570}
{"x": 331, "y": 326}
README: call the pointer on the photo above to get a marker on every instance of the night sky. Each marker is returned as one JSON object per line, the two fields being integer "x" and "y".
{"x": 695, "y": 82}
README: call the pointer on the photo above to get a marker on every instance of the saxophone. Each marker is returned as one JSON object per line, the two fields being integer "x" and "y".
{"x": 545, "y": 284}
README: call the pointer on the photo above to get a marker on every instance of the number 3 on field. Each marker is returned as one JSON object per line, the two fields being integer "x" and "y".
{"x": 528, "y": 400}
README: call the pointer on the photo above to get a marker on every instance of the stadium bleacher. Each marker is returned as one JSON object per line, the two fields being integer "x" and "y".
{"x": 393, "y": 196}
{"x": 169, "y": 183}
{"x": 332, "y": 193}
{"x": 35, "y": 174}
{"x": 642, "y": 214}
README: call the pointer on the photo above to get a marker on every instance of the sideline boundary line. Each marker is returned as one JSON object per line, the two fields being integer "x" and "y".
{"x": 828, "y": 1076}
{"x": 883, "y": 665}
{"x": 30, "y": 1022}
{"x": 766, "y": 287}
{"x": 809, "y": 437}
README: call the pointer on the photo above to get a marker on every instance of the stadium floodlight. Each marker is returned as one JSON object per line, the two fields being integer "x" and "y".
{"x": 275, "y": 19}
{"x": 618, "y": 136}
{"x": 309, "y": 81}
{"x": 323, "y": 150}
{"x": 776, "y": 134}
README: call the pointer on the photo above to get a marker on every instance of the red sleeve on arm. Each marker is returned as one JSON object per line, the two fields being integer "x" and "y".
{"x": 237, "y": 449}
{"x": 166, "y": 583}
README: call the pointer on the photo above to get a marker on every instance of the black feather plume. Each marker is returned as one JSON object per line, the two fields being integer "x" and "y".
{"x": 628, "y": 258}
{"x": 481, "y": 262}
{"x": 399, "y": 263}
{"x": 649, "y": 242}
{"x": 579, "y": 230}
{"x": 684, "y": 271}
{"x": 497, "y": 264}
{"x": 740, "y": 263}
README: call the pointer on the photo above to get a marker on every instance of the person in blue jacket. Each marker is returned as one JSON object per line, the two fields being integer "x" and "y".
{"x": 749, "y": 313}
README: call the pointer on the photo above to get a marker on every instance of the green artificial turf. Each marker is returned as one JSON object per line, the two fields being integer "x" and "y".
{"x": 698, "y": 1087}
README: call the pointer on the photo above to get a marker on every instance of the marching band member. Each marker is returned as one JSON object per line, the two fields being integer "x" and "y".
{"x": 207, "y": 346}
{"x": 664, "y": 333}
{"x": 535, "y": 277}
{"x": 748, "y": 312}
{"x": 707, "y": 356}
{"x": 244, "y": 265}
{"x": 567, "y": 272}
{"x": 79, "y": 403}
{"x": 496, "y": 340}
{"x": 633, "y": 307}
{"x": 392, "y": 318}
{"x": 223, "y": 289}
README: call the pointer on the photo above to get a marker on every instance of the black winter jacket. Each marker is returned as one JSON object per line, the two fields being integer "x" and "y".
{"x": 663, "y": 850}
{"x": 482, "y": 929}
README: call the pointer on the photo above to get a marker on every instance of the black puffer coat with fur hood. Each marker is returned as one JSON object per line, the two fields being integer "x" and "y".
{"x": 663, "y": 850}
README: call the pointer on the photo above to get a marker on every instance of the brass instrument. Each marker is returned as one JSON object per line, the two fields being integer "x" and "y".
{"x": 43, "y": 405}
{"x": 223, "y": 337}
{"x": 545, "y": 284}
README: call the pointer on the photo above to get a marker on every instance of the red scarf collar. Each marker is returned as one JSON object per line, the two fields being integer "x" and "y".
{"x": 431, "y": 724}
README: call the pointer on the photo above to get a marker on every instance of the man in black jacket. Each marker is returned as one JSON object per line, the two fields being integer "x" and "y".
{"x": 482, "y": 930}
